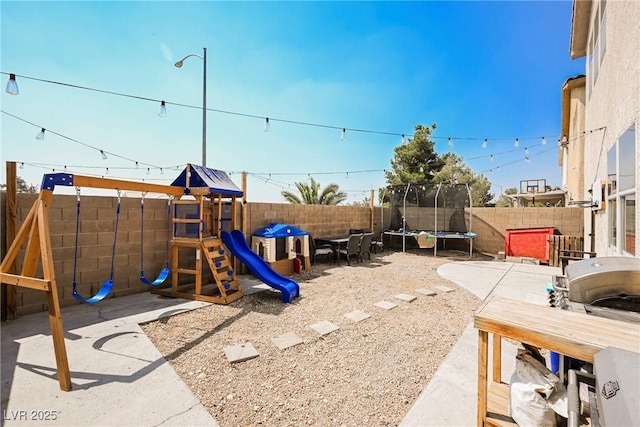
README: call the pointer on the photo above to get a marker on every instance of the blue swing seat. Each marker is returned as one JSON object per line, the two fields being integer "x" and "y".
{"x": 102, "y": 292}
{"x": 160, "y": 280}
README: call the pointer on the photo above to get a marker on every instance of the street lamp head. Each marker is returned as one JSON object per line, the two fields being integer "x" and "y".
{"x": 179, "y": 64}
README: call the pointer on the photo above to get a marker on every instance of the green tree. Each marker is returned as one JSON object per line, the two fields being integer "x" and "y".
{"x": 455, "y": 171}
{"x": 504, "y": 201}
{"x": 416, "y": 161}
{"x": 22, "y": 186}
{"x": 310, "y": 194}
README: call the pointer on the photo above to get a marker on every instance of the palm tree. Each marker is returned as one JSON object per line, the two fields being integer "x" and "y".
{"x": 310, "y": 194}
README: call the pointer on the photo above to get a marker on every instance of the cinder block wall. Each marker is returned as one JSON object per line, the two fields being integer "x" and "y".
{"x": 96, "y": 234}
{"x": 491, "y": 224}
{"x": 95, "y": 246}
{"x": 317, "y": 220}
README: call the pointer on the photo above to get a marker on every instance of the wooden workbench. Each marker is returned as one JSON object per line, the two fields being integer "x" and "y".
{"x": 576, "y": 335}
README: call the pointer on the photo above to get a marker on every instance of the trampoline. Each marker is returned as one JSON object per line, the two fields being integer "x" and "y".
{"x": 431, "y": 215}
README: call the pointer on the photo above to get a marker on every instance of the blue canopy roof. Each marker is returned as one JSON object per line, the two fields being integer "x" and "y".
{"x": 279, "y": 230}
{"x": 216, "y": 180}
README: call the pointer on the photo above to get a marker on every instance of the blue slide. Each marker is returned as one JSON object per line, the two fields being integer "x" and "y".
{"x": 237, "y": 245}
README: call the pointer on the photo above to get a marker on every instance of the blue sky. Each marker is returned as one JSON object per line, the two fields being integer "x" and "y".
{"x": 478, "y": 69}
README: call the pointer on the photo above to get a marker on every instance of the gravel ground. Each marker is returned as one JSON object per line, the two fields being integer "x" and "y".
{"x": 366, "y": 373}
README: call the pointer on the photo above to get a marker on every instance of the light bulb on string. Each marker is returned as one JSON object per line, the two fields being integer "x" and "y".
{"x": 22, "y": 165}
{"x": 103, "y": 155}
{"x": 544, "y": 141}
{"x": 491, "y": 157}
{"x": 106, "y": 171}
{"x": 148, "y": 171}
{"x": 12, "y": 86}
{"x": 517, "y": 143}
{"x": 527, "y": 159}
{"x": 163, "y": 109}
{"x": 403, "y": 140}
{"x": 137, "y": 166}
{"x": 450, "y": 143}
{"x": 526, "y": 150}
{"x": 267, "y": 126}
{"x": 485, "y": 143}
{"x": 40, "y": 135}
{"x": 343, "y": 135}
{"x": 161, "y": 171}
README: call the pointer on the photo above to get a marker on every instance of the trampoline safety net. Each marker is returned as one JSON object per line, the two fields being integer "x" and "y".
{"x": 432, "y": 207}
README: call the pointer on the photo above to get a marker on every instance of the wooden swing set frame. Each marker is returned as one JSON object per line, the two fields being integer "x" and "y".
{"x": 34, "y": 231}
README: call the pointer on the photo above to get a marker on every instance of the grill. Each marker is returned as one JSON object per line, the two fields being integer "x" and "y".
{"x": 607, "y": 287}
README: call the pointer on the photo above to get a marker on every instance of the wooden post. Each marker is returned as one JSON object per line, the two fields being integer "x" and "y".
{"x": 371, "y": 214}
{"x": 55, "y": 318}
{"x": 9, "y": 293}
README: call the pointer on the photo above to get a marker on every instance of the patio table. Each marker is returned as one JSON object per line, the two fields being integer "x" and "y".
{"x": 335, "y": 242}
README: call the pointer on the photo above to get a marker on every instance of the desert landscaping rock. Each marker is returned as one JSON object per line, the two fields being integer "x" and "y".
{"x": 366, "y": 374}
{"x": 426, "y": 292}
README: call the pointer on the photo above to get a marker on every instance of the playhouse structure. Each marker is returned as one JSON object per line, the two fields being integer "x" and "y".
{"x": 282, "y": 246}
{"x": 202, "y": 206}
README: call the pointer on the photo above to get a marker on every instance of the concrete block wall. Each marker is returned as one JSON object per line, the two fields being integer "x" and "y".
{"x": 97, "y": 232}
{"x": 491, "y": 224}
{"x": 317, "y": 220}
{"x": 95, "y": 246}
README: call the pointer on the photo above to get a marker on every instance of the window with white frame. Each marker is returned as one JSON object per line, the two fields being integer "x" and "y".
{"x": 621, "y": 189}
{"x": 597, "y": 43}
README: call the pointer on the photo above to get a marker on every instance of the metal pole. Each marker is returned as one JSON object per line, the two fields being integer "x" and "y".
{"x": 404, "y": 219}
{"x": 204, "y": 109}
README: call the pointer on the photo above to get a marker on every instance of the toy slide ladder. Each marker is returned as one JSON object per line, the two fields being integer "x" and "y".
{"x": 223, "y": 273}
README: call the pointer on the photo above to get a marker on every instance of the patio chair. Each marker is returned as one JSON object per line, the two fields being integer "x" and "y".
{"x": 353, "y": 248}
{"x": 323, "y": 249}
{"x": 365, "y": 246}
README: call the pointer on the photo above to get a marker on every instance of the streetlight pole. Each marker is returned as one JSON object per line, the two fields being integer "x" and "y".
{"x": 204, "y": 100}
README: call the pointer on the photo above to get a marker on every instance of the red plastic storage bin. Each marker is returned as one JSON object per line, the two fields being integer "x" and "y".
{"x": 529, "y": 242}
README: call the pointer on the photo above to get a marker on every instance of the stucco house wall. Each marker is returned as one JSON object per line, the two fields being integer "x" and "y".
{"x": 612, "y": 99}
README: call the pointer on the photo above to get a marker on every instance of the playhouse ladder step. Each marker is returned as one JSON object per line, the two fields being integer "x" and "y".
{"x": 221, "y": 268}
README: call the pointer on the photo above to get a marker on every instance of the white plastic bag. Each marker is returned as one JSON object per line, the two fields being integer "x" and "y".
{"x": 536, "y": 394}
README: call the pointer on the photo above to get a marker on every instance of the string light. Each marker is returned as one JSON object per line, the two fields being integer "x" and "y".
{"x": 40, "y": 135}
{"x": 526, "y": 150}
{"x": 517, "y": 143}
{"x": 106, "y": 171}
{"x": 22, "y": 165}
{"x": 343, "y": 134}
{"x": 12, "y": 85}
{"x": 450, "y": 143}
{"x": 485, "y": 143}
{"x": 267, "y": 126}
{"x": 103, "y": 155}
{"x": 403, "y": 140}
{"x": 163, "y": 109}
{"x": 544, "y": 141}
{"x": 527, "y": 159}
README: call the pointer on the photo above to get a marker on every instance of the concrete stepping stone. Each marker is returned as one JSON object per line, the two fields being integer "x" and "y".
{"x": 287, "y": 340}
{"x": 357, "y": 315}
{"x": 324, "y": 327}
{"x": 444, "y": 288}
{"x": 405, "y": 297}
{"x": 240, "y": 352}
{"x": 386, "y": 305}
{"x": 427, "y": 292}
